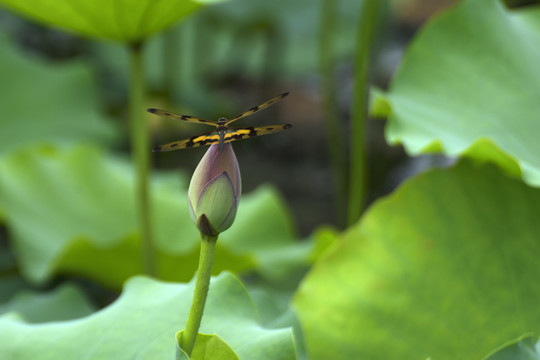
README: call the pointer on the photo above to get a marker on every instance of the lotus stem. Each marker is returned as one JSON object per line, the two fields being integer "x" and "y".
{"x": 202, "y": 284}
{"x": 357, "y": 183}
{"x": 140, "y": 147}
{"x": 335, "y": 136}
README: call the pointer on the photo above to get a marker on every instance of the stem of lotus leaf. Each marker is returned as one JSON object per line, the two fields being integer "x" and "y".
{"x": 202, "y": 284}
{"x": 140, "y": 145}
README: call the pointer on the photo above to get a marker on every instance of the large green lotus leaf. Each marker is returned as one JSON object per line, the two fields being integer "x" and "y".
{"x": 472, "y": 75}
{"x": 44, "y": 103}
{"x": 73, "y": 211}
{"x": 125, "y": 20}
{"x": 51, "y": 198}
{"x": 207, "y": 347}
{"x": 143, "y": 322}
{"x": 10, "y": 284}
{"x": 64, "y": 303}
{"x": 264, "y": 227}
{"x": 524, "y": 348}
{"x": 443, "y": 268}
{"x": 273, "y": 298}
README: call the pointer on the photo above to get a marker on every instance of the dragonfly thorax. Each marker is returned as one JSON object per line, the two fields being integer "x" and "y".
{"x": 221, "y": 128}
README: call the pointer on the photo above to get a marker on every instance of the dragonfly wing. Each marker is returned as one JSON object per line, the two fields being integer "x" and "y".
{"x": 254, "y": 109}
{"x": 187, "y": 118}
{"x": 194, "y": 141}
{"x": 234, "y": 134}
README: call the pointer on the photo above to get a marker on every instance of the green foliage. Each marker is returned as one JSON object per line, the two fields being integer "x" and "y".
{"x": 10, "y": 285}
{"x": 72, "y": 211}
{"x": 471, "y": 75}
{"x": 45, "y": 103}
{"x": 441, "y": 268}
{"x": 206, "y": 347}
{"x": 524, "y": 348}
{"x": 64, "y": 303}
{"x": 126, "y": 21}
{"x": 143, "y": 322}
{"x": 262, "y": 37}
{"x": 444, "y": 267}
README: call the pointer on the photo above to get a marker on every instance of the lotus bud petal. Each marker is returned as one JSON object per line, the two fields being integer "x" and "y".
{"x": 214, "y": 190}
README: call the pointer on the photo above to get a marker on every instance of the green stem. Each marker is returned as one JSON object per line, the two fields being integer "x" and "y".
{"x": 357, "y": 182}
{"x": 335, "y": 136}
{"x": 140, "y": 145}
{"x": 171, "y": 62}
{"x": 204, "y": 273}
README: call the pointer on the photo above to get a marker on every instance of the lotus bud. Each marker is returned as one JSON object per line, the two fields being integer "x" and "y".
{"x": 214, "y": 190}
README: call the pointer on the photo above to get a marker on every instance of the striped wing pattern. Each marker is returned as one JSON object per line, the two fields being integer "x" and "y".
{"x": 232, "y": 134}
{"x": 187, "y": 118}
{"x": 254, "y": 109}
{"x": 228, "y": 134}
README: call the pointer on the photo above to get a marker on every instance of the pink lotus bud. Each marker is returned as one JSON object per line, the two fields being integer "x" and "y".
{"x": 214, "y": 191}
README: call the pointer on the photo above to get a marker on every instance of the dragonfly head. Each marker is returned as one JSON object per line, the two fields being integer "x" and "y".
{"x": 222, "y": 121}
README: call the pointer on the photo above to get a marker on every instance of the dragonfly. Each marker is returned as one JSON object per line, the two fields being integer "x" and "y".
{"x": 222, "y": 133}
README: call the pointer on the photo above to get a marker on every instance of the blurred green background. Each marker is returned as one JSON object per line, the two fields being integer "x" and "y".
{"x": 67, "y": 199}
{"x": 220, "y": 61}
{"x": 67, "y": 202}
{"x": 443, "y": 265}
